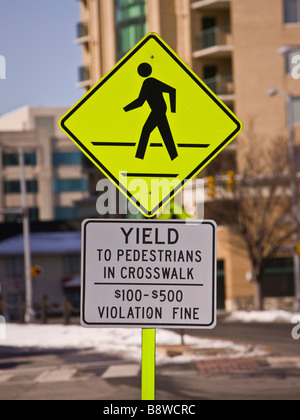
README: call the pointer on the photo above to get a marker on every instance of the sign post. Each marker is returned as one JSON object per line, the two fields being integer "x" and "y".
{"x": 150, "y": 125}
{"x": 148, "y": 364}
{"x": 148, "y": 274}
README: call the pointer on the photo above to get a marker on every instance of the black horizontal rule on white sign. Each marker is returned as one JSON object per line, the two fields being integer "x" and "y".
{"x": 148, "y": 273}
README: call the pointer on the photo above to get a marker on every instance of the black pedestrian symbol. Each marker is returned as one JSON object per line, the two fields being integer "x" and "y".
{"x": 152, "y": 92}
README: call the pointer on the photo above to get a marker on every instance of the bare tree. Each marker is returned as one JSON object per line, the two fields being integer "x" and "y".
{"x": 258, "y": 205}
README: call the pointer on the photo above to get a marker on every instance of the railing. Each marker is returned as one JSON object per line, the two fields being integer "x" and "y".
{"x": 82, "y": 29}
{"x": 84, "y": 73}
{"x": 221, "y": 85}
{"x": 219, "y": 35}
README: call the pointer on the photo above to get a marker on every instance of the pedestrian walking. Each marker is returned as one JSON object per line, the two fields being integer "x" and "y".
{"x": 152, "y": 92}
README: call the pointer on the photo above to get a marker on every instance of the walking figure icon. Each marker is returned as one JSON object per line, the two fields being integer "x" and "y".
{"x": 152, "y": 92}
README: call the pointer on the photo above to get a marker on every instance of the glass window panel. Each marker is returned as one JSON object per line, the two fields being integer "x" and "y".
{"x": 66, "y": 158}
{"x": 291, "y": 11}
{"x": 12, "y": 159}
{"x": 14, "y": 266}
{"x": 296, "y": 110}
{"x": 14, "y": 186}
{"x": 65, "y": 213}
{"x": 70, "y": 185}
{"x": 131, "y": 24}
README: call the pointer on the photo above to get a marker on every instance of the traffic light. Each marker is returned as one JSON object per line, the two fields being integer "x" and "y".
{"x": 230, "y": 181}
{"x": 210, "y": 186}
{"x": 175, "y": 211}
{"x": 35, "y": 271}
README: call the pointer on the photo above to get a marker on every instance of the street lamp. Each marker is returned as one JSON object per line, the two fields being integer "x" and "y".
{"x": 293, "y": 182}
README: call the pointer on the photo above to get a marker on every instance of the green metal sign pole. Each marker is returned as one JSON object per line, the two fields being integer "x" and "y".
{"x": 148, "y": 361}
{"x": 148, "y": 364}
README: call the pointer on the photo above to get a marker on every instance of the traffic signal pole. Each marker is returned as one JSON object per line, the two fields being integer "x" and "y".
{"x": 148, "y": 368}
{"x": 26, "y": 238}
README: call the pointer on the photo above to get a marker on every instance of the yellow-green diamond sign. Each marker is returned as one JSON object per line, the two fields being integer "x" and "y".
{"x": 151, "y": 125}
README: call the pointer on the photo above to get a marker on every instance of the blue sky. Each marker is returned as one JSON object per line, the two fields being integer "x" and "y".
{"x": 36, "y": 39}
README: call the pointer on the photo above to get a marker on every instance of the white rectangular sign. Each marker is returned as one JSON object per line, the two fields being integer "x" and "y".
{"x": 148, "y": 274}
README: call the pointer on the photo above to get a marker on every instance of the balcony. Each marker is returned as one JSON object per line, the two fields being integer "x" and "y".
{"x": 84, "y": 77}
{"x": 222, "y": 86}
{"x": 82, "y": 33}
{"x": 214, "y": 42}
{"x": 211, "y": 4}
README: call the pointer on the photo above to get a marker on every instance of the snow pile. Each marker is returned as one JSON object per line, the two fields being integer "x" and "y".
{"x": 125, "y": 343}
{"x": 262, "y": 316}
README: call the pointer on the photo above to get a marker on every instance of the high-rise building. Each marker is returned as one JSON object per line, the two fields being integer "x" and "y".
{"x": 233, "y": 46}
{"x": 240, "y": 49}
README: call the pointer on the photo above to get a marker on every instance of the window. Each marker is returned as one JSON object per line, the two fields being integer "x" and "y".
{"x": 12, "y": 159}
{"x": 33, "y": 216}
{"x": 14, "y": 267}
{"x": 65, "y": 213}
{"x": 71, "y": 264}
{"x": 296, "y": 110}
{"x": 14, "y": 186}
{"x": 297, "y": 157}
{"x": 289, "y": 65}
{"x": 67, "y": 158}
{"x": 130, "y": 24}
{"x": 278, "y": 280}
{"x": 291, "y": 11}
{"x": 70, "y": 185}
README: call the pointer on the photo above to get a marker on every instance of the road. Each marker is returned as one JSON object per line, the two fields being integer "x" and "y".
{"x": 276, "y": 336}
{"x": 33, "y": 374}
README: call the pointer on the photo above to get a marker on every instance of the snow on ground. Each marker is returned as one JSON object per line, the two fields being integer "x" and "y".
{"x": 263, "y": 316}
{"x": 125, "y": 343}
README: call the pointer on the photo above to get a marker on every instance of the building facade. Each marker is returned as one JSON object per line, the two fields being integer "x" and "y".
{"x": 55, "y": 177}
{"x": 57, "y": 254}
{"x": 240, "y": 49}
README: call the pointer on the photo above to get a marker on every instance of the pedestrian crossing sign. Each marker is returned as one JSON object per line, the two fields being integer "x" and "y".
{"x": 150, "y": 125}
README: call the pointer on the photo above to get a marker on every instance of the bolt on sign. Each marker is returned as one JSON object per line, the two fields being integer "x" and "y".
{"x": 148, "y": 274}
{"x": 151, "y": 125}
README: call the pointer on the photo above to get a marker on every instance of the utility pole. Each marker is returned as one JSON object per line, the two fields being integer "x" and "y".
{"x": 294, "y": 189}
{"x": 26, "y": 238}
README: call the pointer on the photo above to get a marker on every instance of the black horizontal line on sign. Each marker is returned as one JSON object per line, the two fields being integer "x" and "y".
{"x": 148, "y": 284}
{"x": 202, "y": 146}
{"x": 129, "y": 144}
{"x": 110, "y": 143}
{"x": 143, "y": 175}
